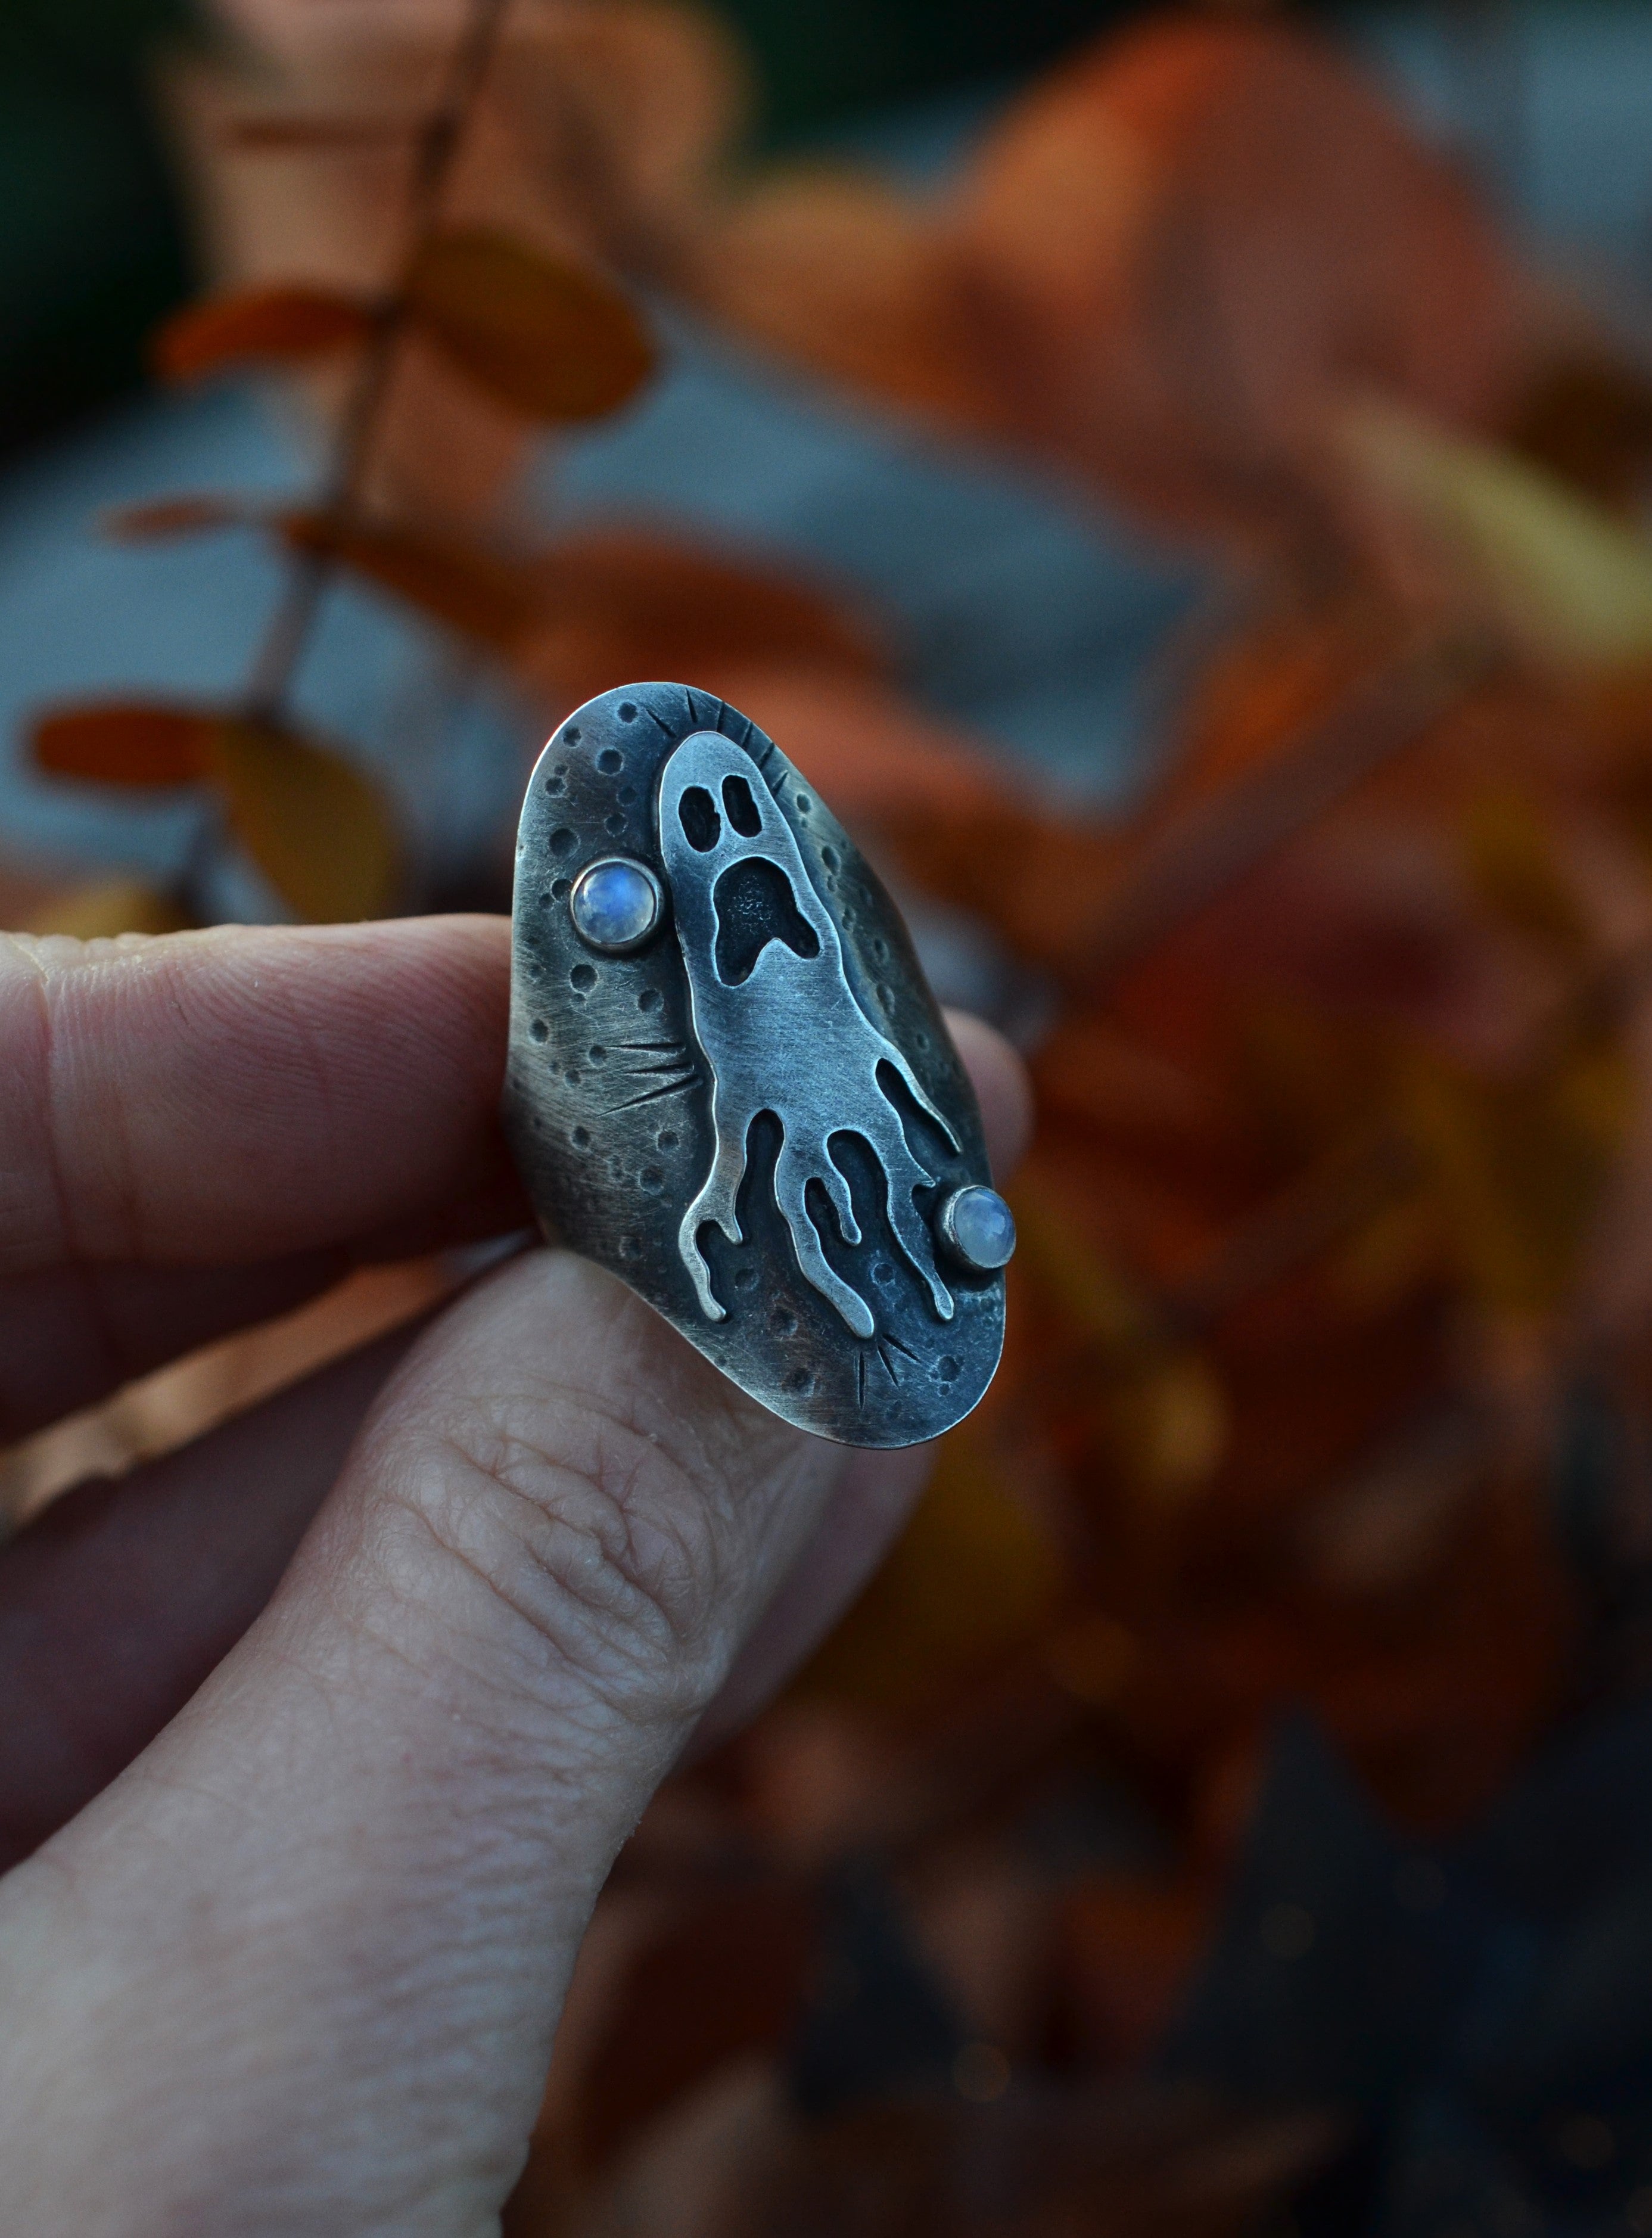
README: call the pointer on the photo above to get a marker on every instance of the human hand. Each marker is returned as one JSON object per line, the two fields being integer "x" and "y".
{"x": 292, "y": 1958}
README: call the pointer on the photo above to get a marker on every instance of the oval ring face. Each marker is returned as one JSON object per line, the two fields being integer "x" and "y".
{"x": 743, "y": 1101}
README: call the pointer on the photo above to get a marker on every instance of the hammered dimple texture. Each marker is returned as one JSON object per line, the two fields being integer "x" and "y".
{"x": 610, "y": 1100}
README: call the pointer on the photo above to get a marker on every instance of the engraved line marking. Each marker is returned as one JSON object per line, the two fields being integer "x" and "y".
{"x": 887, "y": 1345}
{"x": 653, "y": 1095}
{"x": 860, "y": 1379}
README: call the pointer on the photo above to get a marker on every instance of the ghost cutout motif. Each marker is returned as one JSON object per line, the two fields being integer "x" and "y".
{"x": 780, "y": 1026}
{"x": 746, "y": 1104}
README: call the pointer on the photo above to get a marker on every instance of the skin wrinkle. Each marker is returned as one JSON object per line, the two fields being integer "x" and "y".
{"x": 196, "y": 2150}
{"x": 294, "y": 1666}
{"x": 546, "y": 1771}
{"x": 328, "y": 2006}
{"x": 320, "y": 1077}
{"x": 362, "y": 1993}
{"x": 125, "y": 1195}
{"x": 371, "y": 1631}
{"x": 702, "y": 1485}
{"x": 366, "y": 2122}
{"x": 119, "y": 993}
{"x": 283, "y": 1073}
{"x": 576, "y": 1558}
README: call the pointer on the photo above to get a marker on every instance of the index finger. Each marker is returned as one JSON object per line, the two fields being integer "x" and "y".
{"x": 205, "y": 1098}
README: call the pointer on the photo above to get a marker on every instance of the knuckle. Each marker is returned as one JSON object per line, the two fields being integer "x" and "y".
{"x": 600, "y": 1546}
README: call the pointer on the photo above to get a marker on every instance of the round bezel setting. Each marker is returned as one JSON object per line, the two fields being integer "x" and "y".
{"x": 617, "y": 904}
{"x": 977, "y": 1228}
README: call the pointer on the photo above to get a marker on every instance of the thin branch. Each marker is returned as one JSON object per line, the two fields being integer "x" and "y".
{"x": 310, "y": 573}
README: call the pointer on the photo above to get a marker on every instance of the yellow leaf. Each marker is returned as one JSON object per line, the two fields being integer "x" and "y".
{"x": 1566, "y": 582}
{"x": 106, "y": 907}
{"x": 319, "y": 830}
{"x": 550, "y": 340}
{"x": 974, "y": 1573}
{"x": 1167, "y": 1427}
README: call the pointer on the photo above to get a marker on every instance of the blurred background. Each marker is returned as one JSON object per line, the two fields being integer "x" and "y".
{"x": 1178, "y": 479}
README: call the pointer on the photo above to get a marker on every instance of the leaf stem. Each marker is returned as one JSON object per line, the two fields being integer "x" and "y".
{"x": 310, "y": 573}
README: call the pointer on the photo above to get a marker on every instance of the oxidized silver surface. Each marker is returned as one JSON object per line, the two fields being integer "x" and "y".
{"x": 753, "y": 1113}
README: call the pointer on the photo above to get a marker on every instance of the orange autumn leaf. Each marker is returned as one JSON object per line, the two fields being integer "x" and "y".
{"x": 280, "y": 325}
{"x": 851, "y": 277}
{"x": 554, "y": 340}
{"x": 470, "y": 589}
{"x": 168, "y": 517}
{"x": 124, "y": 742}
{"x": 1247, "y": 234}
{"x": 319, "y": 830}
{"x": 623, "y": 602}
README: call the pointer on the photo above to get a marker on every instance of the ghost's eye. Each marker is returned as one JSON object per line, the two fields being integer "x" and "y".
{"x": 740, "y": 808}
{"x": 702, "y": 827}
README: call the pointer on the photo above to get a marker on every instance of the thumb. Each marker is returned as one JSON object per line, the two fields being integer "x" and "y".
{"x": 302, "y": 1963}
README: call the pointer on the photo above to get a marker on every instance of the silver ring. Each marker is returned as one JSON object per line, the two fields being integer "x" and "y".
{"x": 730, "y": 1083}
